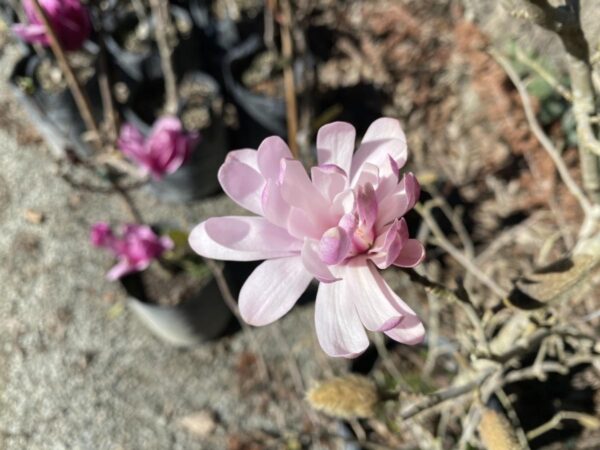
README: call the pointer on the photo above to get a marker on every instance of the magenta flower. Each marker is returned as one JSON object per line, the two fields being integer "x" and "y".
{"x": 338, "y": 226}
{"x": 69, "y": 19}
{"x": 135, "y": 248}
{"x": 164, "y": 151}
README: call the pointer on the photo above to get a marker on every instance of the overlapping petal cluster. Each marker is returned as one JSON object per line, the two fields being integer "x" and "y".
{"x": 164, "y": 151}
{"x": 70, "y": 21}
{"x": 136, "y": 247}
{"x": 340, "y": 225}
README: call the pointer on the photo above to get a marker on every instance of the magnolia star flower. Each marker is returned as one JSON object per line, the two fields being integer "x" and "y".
{"x": 135, "y": 248}
{"x": 340, "y": 225}
{"x": 70, "y": 21}
{"x": 164, "y": 151}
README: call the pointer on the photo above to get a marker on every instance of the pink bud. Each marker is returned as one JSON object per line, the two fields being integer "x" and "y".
{"x": 70, "y": 21}
{"x": 165, "y": 150}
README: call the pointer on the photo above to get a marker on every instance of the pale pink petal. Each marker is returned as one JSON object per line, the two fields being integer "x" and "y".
{"x": 247, "y": 156}
{"x": 411, "y": 255}
{"x": 343, "y": 203}
{"x": 378, "y": 153}
{"x": 389, "y": 244}
{"x": 384, "y": 128}
{"x": 301, "y": 225}
{"x": 313, "y": 263}
{"x": 378, "y": 311}
{"x": 270, "y": 153}
{"x": 330, "y": 180}
{"x": 241, "y": 182}
{"x": 388, "y": 183}
{"x": 369, "y": 173}
{"x": 242, "y": 239}
{"x": 349, "y": 223}
{"x": 335, "y": 144}
{"x": 402, "y": 200}
{"x": 298, "y": 191}
{"x": 339, "y": 329}
{"x": 275, "y": 209}
{"x": 334, "y": 245}
{"x": 410, "y": 331}
{"x": 272, "y": 289}
{"x": 366, "y": 203}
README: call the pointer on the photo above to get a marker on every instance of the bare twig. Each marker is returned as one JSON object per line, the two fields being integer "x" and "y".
{"x": 541, "y": 135}
{"x": 565, "y": 22}
{"x": 110, "y": 113}
{"x": 514, "y": 418}
{"x": 160, "y": 11}
{"x": 288, "y": 77}
{"x": 558, "y": 418}
{"x": 464, "y": 261}
{"x": 79, "y": 94}
{"x": 543, "y": 73}
{"x": 232, "y": 305}
{"x": 441, "y": 396}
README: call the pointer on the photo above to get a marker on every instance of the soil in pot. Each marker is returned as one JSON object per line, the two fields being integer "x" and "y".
{"x": 133, "y": 45}
{"x": 264, "y": 75}
{"x": 180, "y": 307}
{"x": 49, "y": 76}
{"x": 41, "y": 87}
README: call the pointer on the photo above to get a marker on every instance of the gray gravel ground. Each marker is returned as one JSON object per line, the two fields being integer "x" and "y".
{"x": 77, "y": 370}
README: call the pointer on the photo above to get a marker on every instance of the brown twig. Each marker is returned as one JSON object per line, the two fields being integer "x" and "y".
{"x": 79, "y": 94}
{"x": 288, "y": 76}
{"x": 446, "y": 245}
{"x": 110, "y": 113}
{"x": 441, "y": 396}
{"x": 217, "y": 273}
{"x": 539, "y": 133}
{"x": 160, "y": 11}
{"x": 543, "y": 73}
{"x": 565, "y": 22}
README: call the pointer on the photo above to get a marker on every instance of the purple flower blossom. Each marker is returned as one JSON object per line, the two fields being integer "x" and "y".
{"x": 340, "y": 225}
{"x": 69, "y": 19}
{"x": 164, "y": 151}
{"x": 135, "y": 248}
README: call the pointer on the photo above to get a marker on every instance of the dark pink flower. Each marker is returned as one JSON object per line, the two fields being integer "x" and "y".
{"x": 135, "y": 248}
{"x": 167, "y": 147}
{"x": 340, "y": 225}
{"x": 69, "y": 19}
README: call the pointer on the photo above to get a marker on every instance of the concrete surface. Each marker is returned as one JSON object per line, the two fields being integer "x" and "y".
{"x": 77, "y": 370}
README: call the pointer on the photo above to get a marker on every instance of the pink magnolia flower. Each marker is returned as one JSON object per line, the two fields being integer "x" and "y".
{"x": 69, "y": 19}
{"x": 340, "y": 225}
{"x": 164, "y": 151}
{"x": 135, "y": 248}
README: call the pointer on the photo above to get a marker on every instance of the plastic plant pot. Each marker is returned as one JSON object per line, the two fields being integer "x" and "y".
{"x": 201, "y": 316}
{"x": 197, "y": 178}
{"x": 54, "y": 114}
{"x": 267, "y": 114}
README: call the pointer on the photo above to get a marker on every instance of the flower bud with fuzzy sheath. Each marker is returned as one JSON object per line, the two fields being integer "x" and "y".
{"x": 345, "y": 397}
{"x": 496, "y": 432}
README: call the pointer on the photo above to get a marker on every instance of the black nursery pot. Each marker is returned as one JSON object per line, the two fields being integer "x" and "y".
{"x": 197, "y": 177}
{"x": 54, "y": 114}
{"x": 201, "y": 316}
{"x": 145, "y": 64}
{"x": 267, "y": 115}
